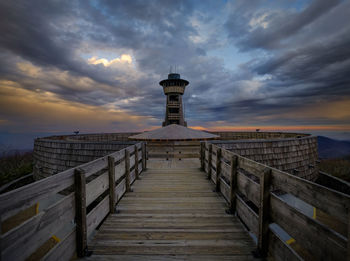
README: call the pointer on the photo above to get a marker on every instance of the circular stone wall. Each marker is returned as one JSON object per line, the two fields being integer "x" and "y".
{"x": 292, "y": 152}
{"x": 297, "y": 156}
{"x": 58, "y": 153}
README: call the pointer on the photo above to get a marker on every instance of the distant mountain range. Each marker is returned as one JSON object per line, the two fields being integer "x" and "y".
{"x": 329, "y": 148}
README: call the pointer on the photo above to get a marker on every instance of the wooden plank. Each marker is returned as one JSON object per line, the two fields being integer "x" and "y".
{"x": 19, "y": 218}
{"x": 264, "y": 208}
{"x": 96, "y": 187}
{"x": 138, "y": 145}
{"x": 251, "y": 166}
{"x": 206, "y": 157}
{"x": 118, "y": 155}
{"x": 247, "y": 215}
{"x": 329, "y": 201}
{"x": 127, "y": 170}
{"x": 218, "y": 169}
{"x": 80, "y": 211}
{"x": 136, "y": 163}
{"x": 174, "y": 149}
{"x": 111, "y": 176}
{"x": 132, "y": 161}
{"x": 248, "y": 188}
{"x": 348, "y": 252}
{"x": 174, "y": 155}
{"x": 120, "y": 190}
{"x": 20, "y": 242}
{"x": 227, "y": 155}
{"x": 130, "y": 149}
{"x": 143, "y": 156}
{"x": 1, "y": 233}
{"x": 225, "y": 189}
{"x": 279, "y": 250}
{"x": 202, "y": 157}
{"x": 170, "y": 257}
{"x": 225, "y": 170}
{"x": 96, "y": 215}
{"x": 306, "y": 230}
{"x": 169, "y": 216}
{"x": 132, "y": 177}
{"x": 14, "y": 201}
{"x": 214, "y": 149}
{"x": 206, "y": 167}
{"x": 140, "y": 168}
{"x": 233, "y": 183}
{"x": 213, "y": 160}
{"x": 186, "y": 247}
{"x": 209, "y": 161}
{"x": 64, "y": 250}
{"x": 120, "y": 169}
{"x": 213, "y": 175}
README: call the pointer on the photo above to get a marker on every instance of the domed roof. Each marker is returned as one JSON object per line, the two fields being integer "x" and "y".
{"x": 174, "y": 132}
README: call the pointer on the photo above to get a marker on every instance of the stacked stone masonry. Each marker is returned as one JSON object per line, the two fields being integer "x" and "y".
{"x": 297, "y": 156}
{"x": 292, "y": 152}
{"x": 58, "y": 153}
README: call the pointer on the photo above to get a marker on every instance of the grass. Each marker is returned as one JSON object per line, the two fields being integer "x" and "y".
{"x": 337, "y": 167}
{"x": 14, "y": 165}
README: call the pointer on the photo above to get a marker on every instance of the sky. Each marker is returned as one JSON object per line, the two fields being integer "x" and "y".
{"x": 94, "y": 66}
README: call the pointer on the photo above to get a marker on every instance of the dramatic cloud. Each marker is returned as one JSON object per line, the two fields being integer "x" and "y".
{"x": 69, "y": 64}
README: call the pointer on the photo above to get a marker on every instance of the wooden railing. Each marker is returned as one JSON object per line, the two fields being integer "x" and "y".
{"x": 86, "y": 194}
{"x": 253, "y": 192}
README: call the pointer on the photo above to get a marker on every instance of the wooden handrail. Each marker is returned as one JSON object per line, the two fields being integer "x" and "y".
{"x": 252, "y": 184}
{"x": 98, "y": 186}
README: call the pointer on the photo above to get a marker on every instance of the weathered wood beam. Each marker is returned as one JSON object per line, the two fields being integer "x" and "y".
{"x": 136, "y": 162}
{"x": 202, "y": 155}
{"x": 218, "y": 169}
{"x": 111, "y": 175}
{"x": 127, "y": 170}
{"x": 80, "y": 212}
{"x": 209, "y": 160}
{"x": 265, "y": 181}
{"x": 144, "y": 156}
{"x": 348, "y": 252}
{"x": 233, "y": 183}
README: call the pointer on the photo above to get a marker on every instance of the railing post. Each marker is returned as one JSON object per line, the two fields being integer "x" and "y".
{"x": 348, "y": 253}
{"x": 233, "y": 183}
{"x": 80, "y": 211}
{"x": 136, "y": 162}
{"x": 265, "y": 180}
{"x": 218, "y": 169}
{"x": 0, "y": 238}
{"x": 209, "y": 160}
{"x": 111, "y": 175}
{"x": 144, "y": 166}
{"x": 127, "y": 170}
{"x": 202, "y": 151}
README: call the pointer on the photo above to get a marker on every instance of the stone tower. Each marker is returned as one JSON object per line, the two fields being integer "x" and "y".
{"x": 174, "y": 88}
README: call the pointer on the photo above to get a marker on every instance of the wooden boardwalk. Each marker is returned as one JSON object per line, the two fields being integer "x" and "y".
{"x": 172, "y": 214}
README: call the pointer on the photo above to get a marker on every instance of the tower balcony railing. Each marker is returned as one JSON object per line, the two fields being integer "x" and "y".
{"x": 173, "y": 103}
{"x": 173, "y": 116}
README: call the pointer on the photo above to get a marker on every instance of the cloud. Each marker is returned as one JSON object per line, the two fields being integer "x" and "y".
{"x": 47, "y": 112}
{"x": 270, "y": 28}
{"x": 108, "y": 56}
{"x": 125, "y": 58}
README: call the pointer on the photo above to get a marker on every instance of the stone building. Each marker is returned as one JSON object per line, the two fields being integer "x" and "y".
{"x": 174, "y": 88}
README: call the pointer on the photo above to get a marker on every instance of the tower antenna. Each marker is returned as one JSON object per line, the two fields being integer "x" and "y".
{"x": 171, "y": 68}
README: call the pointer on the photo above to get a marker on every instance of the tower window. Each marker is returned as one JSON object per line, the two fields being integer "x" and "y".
{"x": 173, "y": 98}
{"x": 174, "y": 110}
